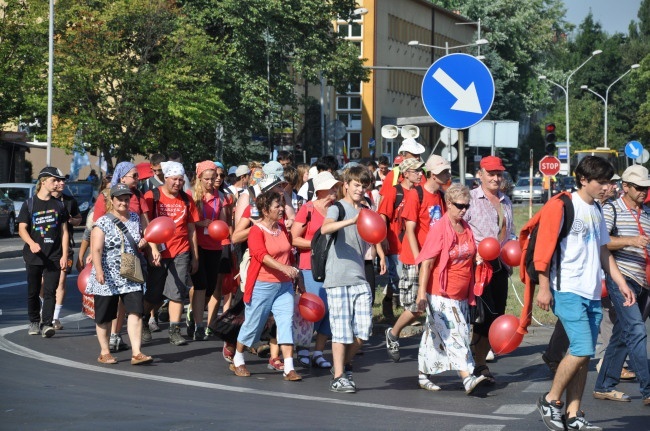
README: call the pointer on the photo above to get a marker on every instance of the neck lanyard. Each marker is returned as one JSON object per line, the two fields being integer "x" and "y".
{"x": 637, "y": 218}
{"x": 214, "y": 206}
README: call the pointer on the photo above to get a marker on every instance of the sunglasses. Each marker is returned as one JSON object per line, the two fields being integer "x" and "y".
{"x": 221, "y": 175}
{"x": 638, "y": 188}
{"x": 134, "y": 176}
{"x": 460, "y": 206}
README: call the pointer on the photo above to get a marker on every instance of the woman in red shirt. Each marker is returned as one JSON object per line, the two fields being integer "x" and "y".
{"x": 269, "y": 285}
{"x": 445, "y": 292}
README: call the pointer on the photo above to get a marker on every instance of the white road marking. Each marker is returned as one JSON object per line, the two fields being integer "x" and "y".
{"x": 482, "y": 427}
{"x": 19, "y": 350}
{"x": 516, "y": 409}
{"x": 12, "y": 270}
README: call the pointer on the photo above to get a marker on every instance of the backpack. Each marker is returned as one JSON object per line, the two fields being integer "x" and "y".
{"x": 614, "y": 230}
{"x": 320, "y": 247}
{"x": 243, "y": 269}
{"x": 528, "y": 240}
{"x": 311, "y": 189}
{"x": 398, "y": 207}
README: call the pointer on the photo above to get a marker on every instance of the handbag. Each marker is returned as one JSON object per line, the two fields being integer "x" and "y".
{"x": 477, "y": 312}
{"x": 130, "y": 264}
{"x": 229, "y": 323}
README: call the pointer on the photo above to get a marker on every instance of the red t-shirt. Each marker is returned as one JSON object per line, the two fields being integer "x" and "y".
{"x": 425, "y": 214}
{"x": 211, "y": 210}
{"x": 278, "y": 247}
{"x": 459, "y": 269}
{"x": 314, "y": 224}
{"x": 387, "y": 208}
{"x": 176, "y": 209}
{"x": 137, "y": 205}
{"x": 388, "y": 182}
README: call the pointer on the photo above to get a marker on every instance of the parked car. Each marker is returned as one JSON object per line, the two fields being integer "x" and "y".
{"x": 507, "y": 185}
{"x": 7, "y": 216}
{"x": 566, "y": 184}
{"x": 85, "y": 195}
{"x": 18, "y": 193}
{"x": 522, "y": 190}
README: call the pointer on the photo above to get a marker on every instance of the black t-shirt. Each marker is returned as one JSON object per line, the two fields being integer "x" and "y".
{"x": 72, "y": 207}
{"x": 44, "y": 225}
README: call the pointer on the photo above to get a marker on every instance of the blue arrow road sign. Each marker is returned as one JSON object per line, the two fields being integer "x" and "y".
{"x": 458, "y": 91}
{"x": 634, "y": 149}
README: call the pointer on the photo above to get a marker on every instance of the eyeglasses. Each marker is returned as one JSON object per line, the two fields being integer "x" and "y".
{"x": 638, "y": 188}
{"x": 417, "y": 172}
{"x": 460, "y": 206}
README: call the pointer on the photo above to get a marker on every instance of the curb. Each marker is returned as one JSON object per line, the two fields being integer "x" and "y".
{"x": 11, "y": 253}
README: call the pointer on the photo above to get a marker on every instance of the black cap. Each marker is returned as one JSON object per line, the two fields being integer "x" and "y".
{"x": 51, "y": 171}
{"x": 120, "y": 190}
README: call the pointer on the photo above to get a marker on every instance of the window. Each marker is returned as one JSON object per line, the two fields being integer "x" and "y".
{"x": 348, "y": 103}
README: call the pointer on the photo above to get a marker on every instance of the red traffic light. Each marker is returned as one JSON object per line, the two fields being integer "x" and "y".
{"x": 550, "y": 128}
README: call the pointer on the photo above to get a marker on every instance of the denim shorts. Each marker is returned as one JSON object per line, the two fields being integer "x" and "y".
{"x": 312, "y": 286}
{"x": 581, "y": 319}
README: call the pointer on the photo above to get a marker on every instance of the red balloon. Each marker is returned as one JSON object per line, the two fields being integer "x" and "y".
{"x": 311, "y": 307}
{"x": 371, "y": 226}
{"x": 503, "y": 334}
{"x": 511, "y": 253}
{"x": 160, "y": 230}
{"x": 489, "y": 248}
{"x": 82, "y": 278}
{"x": 604, "y": 291}
{"x": 218, "y": 230}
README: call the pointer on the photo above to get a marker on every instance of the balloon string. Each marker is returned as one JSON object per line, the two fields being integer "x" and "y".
{"x": 522, "y": 304}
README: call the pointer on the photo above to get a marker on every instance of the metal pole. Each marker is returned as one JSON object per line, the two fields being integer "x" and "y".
{"x": 461, "y": 157}
{"x": 50, "y": 86}
{"x": 530, "y": 180}
{"x": 322, "y": 113}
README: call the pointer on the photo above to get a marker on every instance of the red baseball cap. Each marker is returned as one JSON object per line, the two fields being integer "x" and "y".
{"x": 144, "y": 170}
{"x": 398, "y": 160}
{"x": 492, "y": 163}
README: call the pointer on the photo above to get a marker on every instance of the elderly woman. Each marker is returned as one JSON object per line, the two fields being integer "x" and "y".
{"x": 210, "y": 203}
{"x": 112, "y": 235}
{"x": 445, "y": 292}
{"x": 309, "y": 219}
{"x": 269, "y": 284}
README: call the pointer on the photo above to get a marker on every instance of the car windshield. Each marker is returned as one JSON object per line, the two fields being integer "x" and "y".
{"x": 525, "y": 182}
{"x": 80, "y": 191}
{"x": 17, "y": 194}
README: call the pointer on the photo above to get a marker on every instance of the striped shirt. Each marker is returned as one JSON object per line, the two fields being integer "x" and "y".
{"x": 484, "y": 219}
{"x": 630, "y": 260}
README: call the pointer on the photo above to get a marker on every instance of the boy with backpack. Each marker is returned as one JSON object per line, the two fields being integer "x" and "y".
{"x": 570, "y": 285}
{"x": 348, "y": 293}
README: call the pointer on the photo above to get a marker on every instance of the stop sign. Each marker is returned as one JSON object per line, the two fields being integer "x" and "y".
{"x": 549, "y": 165}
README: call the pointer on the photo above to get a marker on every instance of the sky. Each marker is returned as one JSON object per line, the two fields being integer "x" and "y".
{"x": 613, "y": 15}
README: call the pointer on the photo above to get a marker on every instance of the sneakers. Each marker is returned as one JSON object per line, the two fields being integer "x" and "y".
{"x": 189, "y": 321}
{"x": 116, "y": 344}
{"x": 57, "y": 325}
{"x": 472, "y": 382}
{"x": 580, "y": 423}
{"x": 342, "y": 385}
{"x": 392, "y": 346}
{"x": 551, "y": 413}
{"x": 347, "y": 371}
{"x": 47, "y": 331}
{"x": 34, "y": 328}
{"x": 153, "y": 325}
{"x": 199, "y": 334}
{"x": 163, "y": 313}
{"x": 175, "y": 336}
{"x": 490, "y": 356}
{"x": 146, "y": 334}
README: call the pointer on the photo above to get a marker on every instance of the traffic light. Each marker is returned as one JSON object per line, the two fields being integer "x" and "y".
{"x": 550, "y": 138}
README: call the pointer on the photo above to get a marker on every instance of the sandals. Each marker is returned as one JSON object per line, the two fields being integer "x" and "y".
{"x": 483, "y": 370}
{"x": 107, "y": 359}
{"x": 228, "y": 352}
{"x": 141, "y": 359}
{"x": 612, "y": 395}
{"x": 303, "y": 358}
{"x": 320, "y": 362}
{"x": 275, "y": 364}
{"x": 428, "y": 385}
{"x": 627, "y": 374}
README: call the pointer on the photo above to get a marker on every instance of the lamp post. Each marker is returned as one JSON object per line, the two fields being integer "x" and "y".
{"x": 606, "y": 98}
{"x": 566, "y": 102}
{"x": 50, "y": 85}
{"x": 478, "y": 43}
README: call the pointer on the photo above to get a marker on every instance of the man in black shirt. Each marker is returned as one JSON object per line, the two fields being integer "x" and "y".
{"x": 42, "y": 225}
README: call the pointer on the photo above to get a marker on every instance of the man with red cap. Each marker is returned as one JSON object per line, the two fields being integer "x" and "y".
{"x": 490, "y": 216}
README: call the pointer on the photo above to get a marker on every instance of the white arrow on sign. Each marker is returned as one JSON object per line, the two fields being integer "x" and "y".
{"x": 635, "y": 151}
{"x": 467, "y": 99}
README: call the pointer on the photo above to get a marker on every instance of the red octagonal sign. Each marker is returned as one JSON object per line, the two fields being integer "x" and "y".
{"x": 549, "y": 165}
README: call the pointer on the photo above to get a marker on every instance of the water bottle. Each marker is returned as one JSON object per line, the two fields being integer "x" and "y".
{"x": 255, "y": 213}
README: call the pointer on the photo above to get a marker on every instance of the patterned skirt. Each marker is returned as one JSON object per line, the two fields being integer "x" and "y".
{"x": 445, "y": 344}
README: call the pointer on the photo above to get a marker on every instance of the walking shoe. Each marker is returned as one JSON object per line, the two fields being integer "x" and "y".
{"x": 580, "y": 423}
{"x": 347, "y": 369}
{"x": 112, "y": 343}
{"x": 47, "y": 331}
{"x": 163, "y": 313}
{"x": 240, "y": 371}
{"x": 612, "y": 395}
{"x": 153, "y": 325}
{"x": 34, "y": 328}
{"x": 392, "y": 346}
{"x": 342, "y": 385}
{"x": 57, "y": 325}
{"x": 146, "y": 334}
{"x": 551, "y": 413}
{"x": 189, "y": 321}
{"x": 472, "y": 382}
{"x": 646, "y": 401}
{"x": 490, "y": 356}
{"x": 121, "y": 345}
{"x": 175, "y": 336}
{"x": 275, "y": 364}
{"x": 199, "y": 334}
{"x": 292, "y": 376}
{"x": 209, "y": 332}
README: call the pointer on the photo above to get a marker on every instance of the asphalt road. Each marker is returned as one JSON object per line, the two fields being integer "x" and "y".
{"x": 56, "y": 384}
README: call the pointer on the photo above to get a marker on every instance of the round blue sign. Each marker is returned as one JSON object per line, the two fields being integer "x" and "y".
{"x": 458, "y": 91}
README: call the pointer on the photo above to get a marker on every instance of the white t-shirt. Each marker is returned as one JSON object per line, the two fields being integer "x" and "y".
{"x": 580, "y": 252}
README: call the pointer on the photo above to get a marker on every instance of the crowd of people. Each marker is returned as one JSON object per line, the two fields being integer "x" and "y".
{"x": 274, "y": 210}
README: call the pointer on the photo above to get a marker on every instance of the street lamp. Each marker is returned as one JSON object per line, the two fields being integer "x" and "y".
{"x": 478, "y": 42}
{"x": 566, "y": 102}
{"x": 606, "y": 98}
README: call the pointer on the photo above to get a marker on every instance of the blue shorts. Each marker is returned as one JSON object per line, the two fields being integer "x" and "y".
{"x": 581, "y": 319}
{"x": 312, "y": 286}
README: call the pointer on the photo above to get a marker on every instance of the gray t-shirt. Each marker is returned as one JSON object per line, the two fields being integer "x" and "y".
{"x": 345, "y": 265}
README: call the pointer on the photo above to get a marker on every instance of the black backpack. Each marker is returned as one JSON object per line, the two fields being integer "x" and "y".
{"x": 320, "y": 247}
{"x": 399, "y": 197}
{"x": 311, "y": 189}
